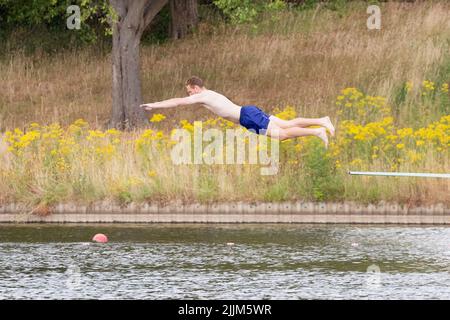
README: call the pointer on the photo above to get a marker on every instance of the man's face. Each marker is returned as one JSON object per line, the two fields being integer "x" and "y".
{"x": 190, "y": 90}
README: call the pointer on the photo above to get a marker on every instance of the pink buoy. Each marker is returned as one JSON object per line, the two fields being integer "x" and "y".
{"x": 100, "y": 237}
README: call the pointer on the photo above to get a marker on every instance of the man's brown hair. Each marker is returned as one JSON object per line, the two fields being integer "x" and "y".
{"x": 195, "y": 81}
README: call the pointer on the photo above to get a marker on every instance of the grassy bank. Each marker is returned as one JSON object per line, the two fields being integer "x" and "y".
{"x": 386, "y": 90}
{"x": 49, "y": 164}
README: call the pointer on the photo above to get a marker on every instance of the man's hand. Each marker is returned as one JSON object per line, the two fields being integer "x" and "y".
{"x": 147, "y": 106}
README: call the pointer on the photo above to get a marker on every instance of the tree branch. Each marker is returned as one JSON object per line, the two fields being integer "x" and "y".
{"x": 151, "y": 10}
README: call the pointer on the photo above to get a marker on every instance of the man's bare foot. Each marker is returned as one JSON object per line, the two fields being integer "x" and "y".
{"x": 322, "y": 134}
{"x": 327, "y": 124}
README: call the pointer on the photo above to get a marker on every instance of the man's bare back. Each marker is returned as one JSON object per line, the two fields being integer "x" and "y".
{"x": 219, "y": 104}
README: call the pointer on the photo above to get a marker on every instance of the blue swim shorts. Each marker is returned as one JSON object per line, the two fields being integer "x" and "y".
{"x": 254, "y": 119}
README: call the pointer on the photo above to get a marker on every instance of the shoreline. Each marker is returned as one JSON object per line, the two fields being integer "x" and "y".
{"x": 231, "y": 212}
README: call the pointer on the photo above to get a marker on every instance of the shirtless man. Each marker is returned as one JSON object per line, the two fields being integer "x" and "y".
{"x": 250, "y": 117}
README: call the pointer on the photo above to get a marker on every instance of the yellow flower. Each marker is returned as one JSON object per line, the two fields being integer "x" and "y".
{"x": 113, "y": 132}
{"x": 444, "y": 87}
{"x": 228, "y": 124}
{"x": 147, "y": 133}
{"x": 400, "y": 146}
{"x": 95, "y": 134}
{"x": 34, "y": 125}
{"x": 186, "y": 125}
{"x": 17, "y": 131}
{"x": 356, "y": 162}
{"x": 157, "y": 117}
{"x": 105, "y": 150}
{"x": 414, "y": 156}
{"x": 391, "y": 137}
{"x": 408, "y": 86}
{"x": 80, "y": 123}
{"x": 405, "y": 132}
{"x": 134, "y": 181}
{"x": 151, "y": 173}
{"x": 428, "y": 85}
{"x": 287, "y": 114}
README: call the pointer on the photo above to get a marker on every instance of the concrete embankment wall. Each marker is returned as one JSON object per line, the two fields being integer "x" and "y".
{"x": 286, "y": 212}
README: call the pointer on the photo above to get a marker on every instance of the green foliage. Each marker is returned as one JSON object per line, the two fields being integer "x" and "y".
{"x": 400, "y": 93}
{"x": 54, "y": 193}
{"x": 307, "y": 4}
{"x": 32, "y": 12}
{"x": 124, "y": 197}
{"x": 83, "y": 187}
{"x": 321, "y": 179}
{"x": 158, "y": 28}
{"x": 335, "y": 5}
{"x": 143, "y": 193}
{"x": 277, "y": 191}
{"x": 420, "y": 102}
{"x": 247, "y": 11}
{"x": 207, "y": 187}
{"x": 42, "y": 24}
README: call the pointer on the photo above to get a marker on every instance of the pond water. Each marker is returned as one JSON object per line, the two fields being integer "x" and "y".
{"x": 224, "y": 261}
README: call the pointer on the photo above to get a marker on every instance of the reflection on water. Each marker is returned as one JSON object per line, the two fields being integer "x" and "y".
{"x": 206, "y": 261}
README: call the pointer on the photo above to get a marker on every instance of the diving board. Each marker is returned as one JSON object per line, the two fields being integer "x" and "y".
{"x": 401, "y": 174}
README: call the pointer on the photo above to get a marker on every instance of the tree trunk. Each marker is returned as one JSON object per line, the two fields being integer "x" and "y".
{"x": 126, "y": 80}
{"x": 184, "y": 17}
{"x": 133, "y": 16}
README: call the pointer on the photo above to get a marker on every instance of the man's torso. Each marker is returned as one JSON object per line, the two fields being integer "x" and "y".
{"x": 220, "y": 105}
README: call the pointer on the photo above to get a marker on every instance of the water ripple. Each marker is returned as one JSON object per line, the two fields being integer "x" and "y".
{"x": 225, "y": 262}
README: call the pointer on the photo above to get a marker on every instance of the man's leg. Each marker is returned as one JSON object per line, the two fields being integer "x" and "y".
{"x": 274, "y": 131}
{"x": 304, "y": 122}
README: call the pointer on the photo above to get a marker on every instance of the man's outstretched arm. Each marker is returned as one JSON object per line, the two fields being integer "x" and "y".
{"x": 174, "y": 102}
